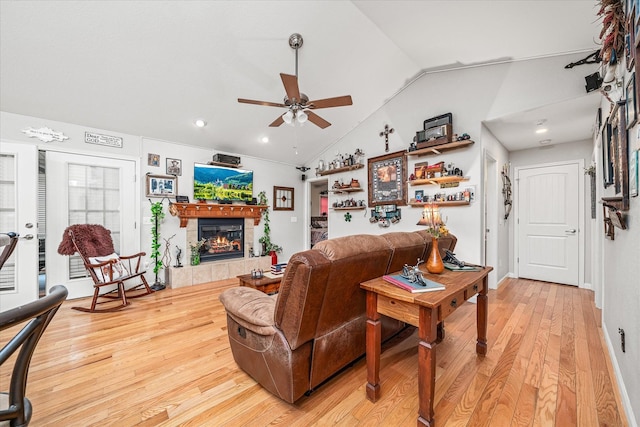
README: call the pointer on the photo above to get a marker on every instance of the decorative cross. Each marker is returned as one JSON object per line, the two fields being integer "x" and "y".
{"x": 386, "y": 133}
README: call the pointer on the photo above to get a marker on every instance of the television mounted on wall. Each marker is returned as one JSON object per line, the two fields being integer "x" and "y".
{"x": 212, "y": 182}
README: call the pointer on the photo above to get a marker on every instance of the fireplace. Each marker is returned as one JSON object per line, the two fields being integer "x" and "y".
{"x": 224, "y": 238}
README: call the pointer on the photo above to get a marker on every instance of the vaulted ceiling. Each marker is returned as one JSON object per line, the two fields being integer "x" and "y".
{"x": 151, "y": 68}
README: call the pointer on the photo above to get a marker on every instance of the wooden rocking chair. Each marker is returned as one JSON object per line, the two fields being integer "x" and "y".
{"x": 107, "y": 269}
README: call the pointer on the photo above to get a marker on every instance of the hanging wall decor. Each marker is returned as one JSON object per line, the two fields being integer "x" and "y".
{"x": 388, "y": 179}
{"x": 506, "y": 190}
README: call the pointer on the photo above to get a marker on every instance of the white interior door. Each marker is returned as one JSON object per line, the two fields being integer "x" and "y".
{"x": 87, "y": 190}
{"x": 19, "y": 213}
{"x": 549, "y": 223}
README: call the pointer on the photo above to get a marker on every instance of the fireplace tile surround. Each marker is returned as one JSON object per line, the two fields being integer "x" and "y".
{"x": 189, "y": 275}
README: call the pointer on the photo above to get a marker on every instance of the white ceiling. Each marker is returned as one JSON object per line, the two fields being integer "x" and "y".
{"x": 150, "y": 68}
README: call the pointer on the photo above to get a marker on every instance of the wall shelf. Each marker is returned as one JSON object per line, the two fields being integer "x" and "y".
{"x": 439, "y": 149}
{"x": 346, "y": 190}
{"x": 229, "y": 165}
{"x": 186, "y": 211}
{"x": 350, "y": 208}
{"x": 438, "y": 181}
{"x": 342, "y": 169}
{"x": 415, "y": 204}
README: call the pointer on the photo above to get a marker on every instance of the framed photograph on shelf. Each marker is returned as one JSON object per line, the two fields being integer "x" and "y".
{"x": 388, "y": 179}
{"x": 419, "y": 195}
{"x": 174, "y": 167}
{"x": 162, "y": 185}
{"x": 632, "y": 110}
{"x": 283, "y": 198}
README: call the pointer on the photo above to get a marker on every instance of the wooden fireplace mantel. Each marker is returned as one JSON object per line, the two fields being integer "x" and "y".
{"x": 185, "y": 211}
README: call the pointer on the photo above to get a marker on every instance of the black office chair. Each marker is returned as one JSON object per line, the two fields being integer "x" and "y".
{"x": 14, "y": 406}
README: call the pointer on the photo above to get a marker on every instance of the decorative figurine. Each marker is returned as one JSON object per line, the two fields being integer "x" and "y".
{"x": 178, "y": 256}
{"x": 166, "y": 257}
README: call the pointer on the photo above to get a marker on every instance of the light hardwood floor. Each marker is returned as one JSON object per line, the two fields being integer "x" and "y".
{"x": 165, "y": 361}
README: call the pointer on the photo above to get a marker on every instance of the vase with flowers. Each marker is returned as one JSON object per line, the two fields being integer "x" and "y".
{"x": 195, "y": 251}
{"x": 436, "y": 227}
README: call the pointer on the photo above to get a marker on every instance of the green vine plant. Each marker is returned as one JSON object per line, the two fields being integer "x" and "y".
{"x": 266, "y": 238}
{"x": 157, "y": 214}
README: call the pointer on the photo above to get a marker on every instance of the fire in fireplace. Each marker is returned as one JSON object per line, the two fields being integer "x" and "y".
{"x": 224, "y": 238}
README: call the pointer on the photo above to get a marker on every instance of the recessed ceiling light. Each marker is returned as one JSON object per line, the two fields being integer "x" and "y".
{"x": 265, "y": 139}
{"x": 541, "y": 130}
{"x": 200, "y": 123}
{"x": 545, "y": 142}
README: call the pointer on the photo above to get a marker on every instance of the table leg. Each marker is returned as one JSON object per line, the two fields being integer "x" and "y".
{"x": 427, "y": 332}
{"x": 481, "y": 318}
{"x": 374, "y": 332}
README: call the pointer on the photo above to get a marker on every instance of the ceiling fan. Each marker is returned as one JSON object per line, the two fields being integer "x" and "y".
{"x": 297, "y": 103}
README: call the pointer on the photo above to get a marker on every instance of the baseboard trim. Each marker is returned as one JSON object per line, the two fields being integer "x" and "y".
{"x": 626, "y": 402}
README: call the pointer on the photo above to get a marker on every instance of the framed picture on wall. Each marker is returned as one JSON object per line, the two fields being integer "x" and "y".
{"x": 632, "y": 110}
{"x": 388, "y": 179}
{"x": 633, "y": 173}
{"x": 162, "y": 185}
{"x": 607, "y": 165}
{"x": 283, "y": 198}
{"x": 174, "y": 167}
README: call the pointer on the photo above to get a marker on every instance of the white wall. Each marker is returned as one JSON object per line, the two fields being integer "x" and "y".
{"x": 473, "y": 95}
{"x": 502, "y": 233}
{"x": 620, "y": 281}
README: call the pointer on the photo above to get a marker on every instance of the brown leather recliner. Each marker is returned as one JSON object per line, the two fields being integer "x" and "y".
{"x": 291, "y": 342}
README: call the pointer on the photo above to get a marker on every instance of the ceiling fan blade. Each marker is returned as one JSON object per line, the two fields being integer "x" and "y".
{"x": 291, "y": 86}
{"x": 277, "y": 122}
{"x": 338, "y": 101}
{"x": 317, "y": 120}
{"x": 265, "y": 103}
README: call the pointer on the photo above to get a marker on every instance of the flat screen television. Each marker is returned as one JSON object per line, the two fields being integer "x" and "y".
{"x": 211, "y": 182}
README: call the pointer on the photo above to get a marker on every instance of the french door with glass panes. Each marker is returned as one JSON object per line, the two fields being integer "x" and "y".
{"x": 87, "y": 190}
{"x": 19, "y": 214}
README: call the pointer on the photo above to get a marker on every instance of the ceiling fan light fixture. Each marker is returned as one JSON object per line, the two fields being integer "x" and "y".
{"x": 301, "y": 117}
{"x": 288, "y": 117}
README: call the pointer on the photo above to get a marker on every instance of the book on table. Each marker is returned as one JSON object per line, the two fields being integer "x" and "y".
{"x": 413, "y": 287}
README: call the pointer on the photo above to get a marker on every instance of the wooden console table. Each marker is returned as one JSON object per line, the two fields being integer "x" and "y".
{"x": 265, "y": 284}
{"x": 425, "y": 311}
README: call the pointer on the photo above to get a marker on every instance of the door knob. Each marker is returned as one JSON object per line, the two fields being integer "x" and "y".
{"x": 572, "y": 231}
{"x": 28, "y": 225}
{"x": 28, "y": 237}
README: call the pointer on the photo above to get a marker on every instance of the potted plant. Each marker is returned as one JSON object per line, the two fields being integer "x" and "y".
{"x": 157, "y": 214}
{"x": 268, "y": 247}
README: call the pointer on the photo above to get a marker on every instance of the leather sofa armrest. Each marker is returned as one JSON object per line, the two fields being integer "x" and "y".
{"x": 250, "y": 308}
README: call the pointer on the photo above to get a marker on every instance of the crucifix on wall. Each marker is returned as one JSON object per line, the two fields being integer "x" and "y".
{"x": 387, "y": 130}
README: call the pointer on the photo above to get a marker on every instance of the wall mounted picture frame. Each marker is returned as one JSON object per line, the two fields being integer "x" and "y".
{"x": 283, "y": 198}
{"x": 607, "y": 165}
{"x": 153, "y": 159}
{"x": 613, "y": 151}
{"x": 162, "y": 185}
{"x": 388, "y": 179}
{"x": 621, "y": 155}
{"x": 631, "y": 107}
{"x": 174, "y": 167}
{"x": 633, "y": 173}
